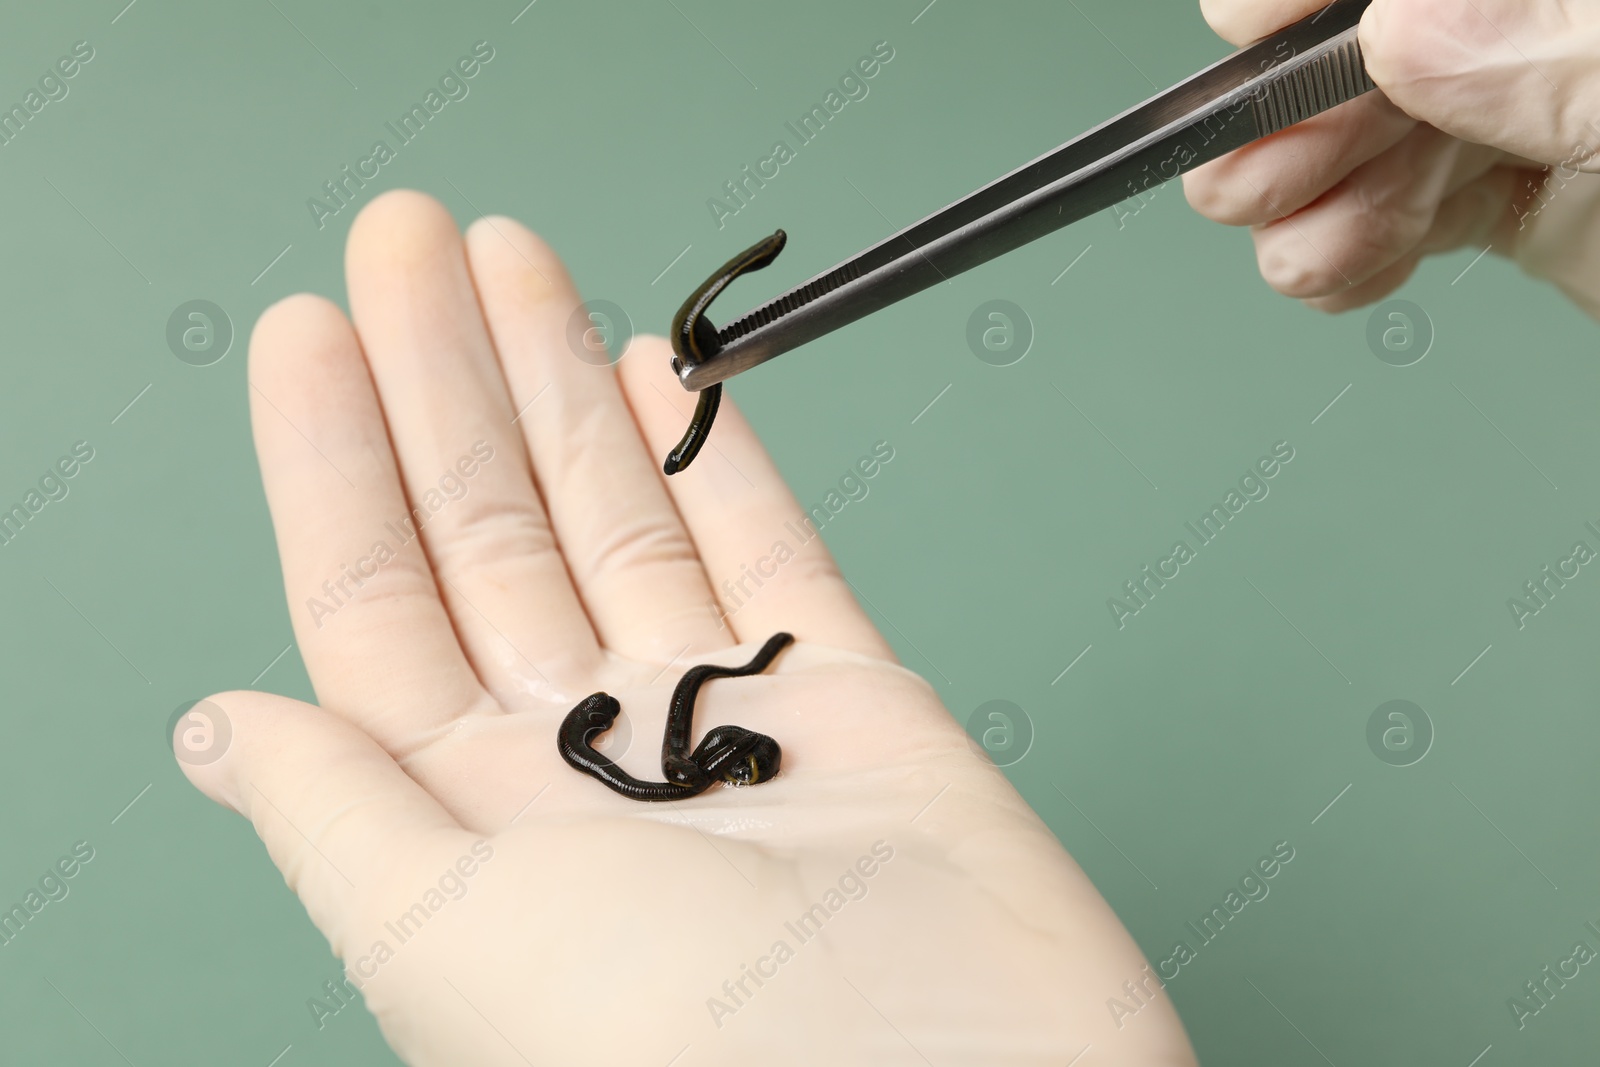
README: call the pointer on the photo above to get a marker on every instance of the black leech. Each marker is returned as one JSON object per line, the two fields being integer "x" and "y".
{"x": 729, "y": 754}
{"x": 694, "y": 340}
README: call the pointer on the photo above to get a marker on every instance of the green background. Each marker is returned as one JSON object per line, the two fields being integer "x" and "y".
{"x": 1224, "y": 718}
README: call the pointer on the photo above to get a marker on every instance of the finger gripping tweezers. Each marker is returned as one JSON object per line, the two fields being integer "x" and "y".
{"x": 1304, "y": 70}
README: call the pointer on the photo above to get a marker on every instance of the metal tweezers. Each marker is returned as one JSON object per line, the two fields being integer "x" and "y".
{"x": 1286, "y": 78}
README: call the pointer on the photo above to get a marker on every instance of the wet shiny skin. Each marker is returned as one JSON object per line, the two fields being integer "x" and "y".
{"x": 729, "y": 754}
{"x": 694, "y": 339}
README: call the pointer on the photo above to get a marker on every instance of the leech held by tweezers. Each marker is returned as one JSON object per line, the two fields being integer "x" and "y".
{"x": 729, "y": 754}
{"x": 1299, "y": 72}
{"x": 694, "y": 340}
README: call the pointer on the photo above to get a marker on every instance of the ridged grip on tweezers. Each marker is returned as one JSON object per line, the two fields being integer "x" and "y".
{"x": 1323, "y": 83}
{"x": 770, "y": 312}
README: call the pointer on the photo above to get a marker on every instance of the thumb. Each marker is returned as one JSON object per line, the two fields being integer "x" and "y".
{"x": 1519, "y": 75}
{"x": 336, "y": 813}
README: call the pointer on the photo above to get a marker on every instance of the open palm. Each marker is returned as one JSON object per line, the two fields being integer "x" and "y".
{"x": 475, "y": 535}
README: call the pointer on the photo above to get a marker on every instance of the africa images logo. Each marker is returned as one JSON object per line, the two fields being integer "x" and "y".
{"x": 345, "y": 187}
{"x": 742, "y": 188}
{"x": 1253, "y": 486}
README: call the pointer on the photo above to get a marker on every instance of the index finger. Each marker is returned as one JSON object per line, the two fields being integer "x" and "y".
{"x": 764, "y": 553}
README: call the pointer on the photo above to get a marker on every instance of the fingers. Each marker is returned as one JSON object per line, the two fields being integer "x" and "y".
{"x": 460, "y": 457}
{"x": 1477, "y": 214}
{"x": 1480, "y": 213}
{"x": 625, "y": 546}
{"x": 376, "y": 640}
{"x": 1371, "y": 220}
{"x": 1244, "y": 21}
{"x": 1344, "y": 210}
{"x": 338, "y": 817}
{"x": 1278, "y": 176}
{"x": 1372, "y": 290}
{"x": 1515, "y": 74}
{"x": 766, "y": 559}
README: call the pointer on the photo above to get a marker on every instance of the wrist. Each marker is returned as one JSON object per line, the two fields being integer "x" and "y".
{"x": 1554, "y": 232}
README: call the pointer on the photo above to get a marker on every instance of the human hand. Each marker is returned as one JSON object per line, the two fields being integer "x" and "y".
{"x": 1483, "y": 134}
{"x": 498, "y": 908}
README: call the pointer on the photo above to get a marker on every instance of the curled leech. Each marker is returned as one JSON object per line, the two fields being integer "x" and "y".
{"x": 729, "y": 754}
{"x": 694, "y": 340}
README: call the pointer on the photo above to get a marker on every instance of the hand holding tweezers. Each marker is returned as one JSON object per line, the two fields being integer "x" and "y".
{"x": 1304, "y": 70}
